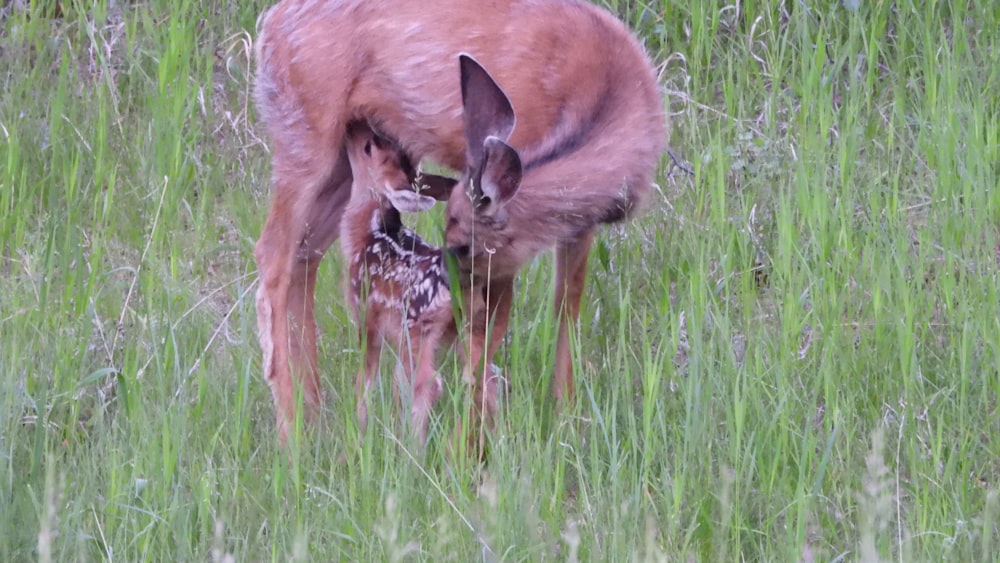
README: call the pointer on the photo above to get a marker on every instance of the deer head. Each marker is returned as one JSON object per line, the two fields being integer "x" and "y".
{"x": 382, "y": 169}
{"x": 477, "y": 212}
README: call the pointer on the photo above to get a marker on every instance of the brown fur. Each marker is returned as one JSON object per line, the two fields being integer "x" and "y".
{"x": 590, "y": 130}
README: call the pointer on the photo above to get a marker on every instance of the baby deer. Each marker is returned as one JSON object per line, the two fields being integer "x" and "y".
{"x": 399, "y": 279}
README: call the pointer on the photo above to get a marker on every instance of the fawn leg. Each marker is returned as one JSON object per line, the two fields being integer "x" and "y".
{"x": 571, "y": 274}
{"x": 369, "y": 372}
{"x": 427, "y": 386}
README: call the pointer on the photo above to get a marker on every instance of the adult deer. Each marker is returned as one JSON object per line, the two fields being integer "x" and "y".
{"x": 590, "y": 131}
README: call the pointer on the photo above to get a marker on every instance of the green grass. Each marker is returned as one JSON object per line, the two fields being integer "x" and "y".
{"x": 792, "y": 356}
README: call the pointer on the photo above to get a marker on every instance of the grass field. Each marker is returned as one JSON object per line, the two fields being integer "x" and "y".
{"x": 793, "y": 356}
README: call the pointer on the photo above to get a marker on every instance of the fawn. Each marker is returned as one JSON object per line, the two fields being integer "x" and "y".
{"x": 399, "y": 280}
{"x": 590, "y": 130}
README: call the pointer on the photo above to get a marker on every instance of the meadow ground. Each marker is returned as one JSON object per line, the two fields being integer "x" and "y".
{"x": 793, "y": 356}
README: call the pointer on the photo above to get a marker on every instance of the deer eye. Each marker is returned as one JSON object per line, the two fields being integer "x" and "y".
{"x": 368, "y": 148}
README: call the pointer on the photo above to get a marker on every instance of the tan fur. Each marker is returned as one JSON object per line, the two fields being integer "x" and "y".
{"x": 563, "y": 64}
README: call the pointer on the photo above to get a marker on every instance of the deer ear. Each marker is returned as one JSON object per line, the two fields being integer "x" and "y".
{"x": 486, "y": 109}
{"x": 501, "y": 175}
{"x": 432, "y": 185}
{"x": 409, "y": 201}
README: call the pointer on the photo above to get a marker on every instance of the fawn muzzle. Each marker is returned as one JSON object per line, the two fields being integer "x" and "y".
{"x": 461, "y": 252}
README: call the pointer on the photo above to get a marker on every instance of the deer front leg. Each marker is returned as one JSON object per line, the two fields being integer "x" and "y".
{"x": 490, "y": 315}
{"x": 571, "y": 275}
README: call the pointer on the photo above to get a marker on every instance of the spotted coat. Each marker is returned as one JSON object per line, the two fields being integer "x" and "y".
{"x": 399, "y": 270}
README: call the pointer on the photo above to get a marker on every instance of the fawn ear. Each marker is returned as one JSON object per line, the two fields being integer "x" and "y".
{"x": 409, "y": 201}
{"x": 486, "y": 109}
{"x": 501, "y": 175}
{"x": 432, "y": 185}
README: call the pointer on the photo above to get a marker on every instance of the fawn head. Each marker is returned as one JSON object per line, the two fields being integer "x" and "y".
{"x": 384, "y": 172}
{"x": 477, "y": 219}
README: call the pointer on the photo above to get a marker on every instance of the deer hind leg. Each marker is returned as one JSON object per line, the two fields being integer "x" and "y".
{"x": 571, "y": 274}
{"x": 323, "y": 228}
{"x": 301, "y": 224}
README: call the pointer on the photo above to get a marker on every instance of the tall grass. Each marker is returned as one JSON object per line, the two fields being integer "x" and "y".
{"x": 792, "y": 357}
